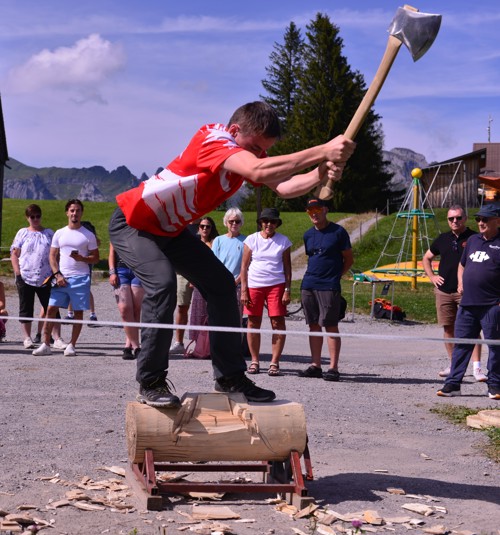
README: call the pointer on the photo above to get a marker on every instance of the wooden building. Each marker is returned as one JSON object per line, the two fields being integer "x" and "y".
{"x": 454, "y": 181}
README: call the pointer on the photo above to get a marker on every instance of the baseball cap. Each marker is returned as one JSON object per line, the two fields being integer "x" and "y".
{"x": 315, "y": 203}
{"x": 489, "y": 210}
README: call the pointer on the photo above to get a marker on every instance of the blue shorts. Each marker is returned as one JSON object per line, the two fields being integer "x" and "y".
{"x": 127, "y": 277}
{"x": 76, "y": 291}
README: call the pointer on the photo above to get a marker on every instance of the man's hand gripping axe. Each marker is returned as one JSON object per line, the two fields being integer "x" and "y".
{"x": 417, "y": 31}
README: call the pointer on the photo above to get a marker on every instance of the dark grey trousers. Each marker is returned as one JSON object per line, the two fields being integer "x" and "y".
{"x": 155, "y": 261}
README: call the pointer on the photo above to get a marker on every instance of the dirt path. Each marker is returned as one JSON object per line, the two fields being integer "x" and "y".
{"x": 63, "y": 418}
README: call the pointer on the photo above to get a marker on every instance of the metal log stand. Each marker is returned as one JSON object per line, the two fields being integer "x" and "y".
{"x": 284, "y": 478}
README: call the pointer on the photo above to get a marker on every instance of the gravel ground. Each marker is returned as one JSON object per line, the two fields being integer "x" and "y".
{"x": 373, "y": 430}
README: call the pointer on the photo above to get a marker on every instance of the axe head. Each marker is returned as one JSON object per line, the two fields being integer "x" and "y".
{"x": 415, "y": 29}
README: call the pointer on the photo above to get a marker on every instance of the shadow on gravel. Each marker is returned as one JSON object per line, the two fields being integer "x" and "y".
{"x": 363, "y": 487}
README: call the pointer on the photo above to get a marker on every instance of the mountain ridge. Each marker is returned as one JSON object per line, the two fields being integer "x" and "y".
{"x": 97, "y": 184}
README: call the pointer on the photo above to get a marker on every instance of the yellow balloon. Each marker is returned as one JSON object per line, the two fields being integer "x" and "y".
{"x": 416, "y": 173}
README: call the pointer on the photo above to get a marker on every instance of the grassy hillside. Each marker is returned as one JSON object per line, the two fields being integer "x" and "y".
{"x": 419, "y": 304}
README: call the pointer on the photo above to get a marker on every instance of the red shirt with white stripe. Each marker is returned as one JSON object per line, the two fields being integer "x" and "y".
{"x": 189, "y": 187}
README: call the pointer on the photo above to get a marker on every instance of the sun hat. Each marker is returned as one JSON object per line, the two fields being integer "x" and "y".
{"x": 270, "y": 213}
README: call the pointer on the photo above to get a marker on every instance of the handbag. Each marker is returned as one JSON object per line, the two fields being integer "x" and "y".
{"x": 201, "y": 349}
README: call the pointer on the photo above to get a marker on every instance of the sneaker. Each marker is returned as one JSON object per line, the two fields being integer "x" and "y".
{"x": 331, "y": 375}
{"x": 177, "y": 348}
{"x": 69, "y": 317}
{"x": 241, "y": 383}
{"x": 60, "y": 344}
{"x": 449, "y": 390}
{"x": 127, "y": 353}
{"x": 38, "y": 338}
{"x": 44, "y": 349}
{"x": 93, "y": 319}
{"x": 70, "y": 351}
{"x": 479, "y": 376}
{"x": 312, "y": 371}
{"x": 28, "y": 343}
{"x": 158, "y": 395}
{"x": 445, "y": 372}
{"x": 494, "y": 392}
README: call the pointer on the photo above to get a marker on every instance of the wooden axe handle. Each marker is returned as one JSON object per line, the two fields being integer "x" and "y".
{"x": 325, "y": 192}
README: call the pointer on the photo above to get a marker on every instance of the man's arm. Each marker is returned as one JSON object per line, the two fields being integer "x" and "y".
{"x": 460, "y": 277}
{"x": 274, "y": 170}
{"x": 437, "y": 280}
{"x": 348, "y": 260}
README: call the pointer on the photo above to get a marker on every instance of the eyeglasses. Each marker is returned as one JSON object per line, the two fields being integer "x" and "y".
{"x": 234, "y": 222}
{"x": 455, "y": 218}
{"x": 269, "y": 221}
{"x": 480, "y": 219}
{"x": 35, "y": 216}
{"x": 205, "y": 227}
{"x": 314, "y": 210}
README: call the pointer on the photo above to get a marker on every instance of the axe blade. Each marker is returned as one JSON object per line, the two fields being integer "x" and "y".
{"x": 416, "y": 30}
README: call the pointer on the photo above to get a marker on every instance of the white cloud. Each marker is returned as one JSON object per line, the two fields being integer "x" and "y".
{"x": 86, "y": 64}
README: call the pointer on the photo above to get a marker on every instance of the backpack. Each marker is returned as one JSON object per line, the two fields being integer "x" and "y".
{"x": 201, "y": 349}
{"x": 382, "y": 310}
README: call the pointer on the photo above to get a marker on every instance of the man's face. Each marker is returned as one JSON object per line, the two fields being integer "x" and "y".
{"x": 317, "y": 215}
{"x": 74, "y": 213}
{"x": 456, "y": 221}
{"x": 487, "y": 225}
{"x": 257, "y": 145}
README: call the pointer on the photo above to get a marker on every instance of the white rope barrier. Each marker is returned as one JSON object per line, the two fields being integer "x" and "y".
{"x": 171, "y": 326}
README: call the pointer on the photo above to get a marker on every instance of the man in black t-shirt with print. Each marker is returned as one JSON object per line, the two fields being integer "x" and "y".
{"x": 449, "y": 247}
{"x": 479, "y": 283}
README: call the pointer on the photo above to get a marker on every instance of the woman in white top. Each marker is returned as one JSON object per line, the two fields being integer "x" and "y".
{"x": 29, "y": 255}
{"x": 266, "y": 274}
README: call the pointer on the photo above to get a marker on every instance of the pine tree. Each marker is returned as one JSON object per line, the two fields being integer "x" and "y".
{"x": 327, "y": 94}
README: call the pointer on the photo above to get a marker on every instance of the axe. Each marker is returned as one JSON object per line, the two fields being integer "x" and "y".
{"x": 417, "y": 31}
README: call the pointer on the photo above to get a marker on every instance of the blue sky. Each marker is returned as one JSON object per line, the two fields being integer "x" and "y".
{"x": 108, "y": 82}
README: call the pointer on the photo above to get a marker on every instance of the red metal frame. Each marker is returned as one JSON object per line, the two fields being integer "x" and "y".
{"x": 146, "y": 474}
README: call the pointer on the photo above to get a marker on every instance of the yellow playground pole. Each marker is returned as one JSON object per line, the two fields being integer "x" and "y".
{"x": 416, "y": 174}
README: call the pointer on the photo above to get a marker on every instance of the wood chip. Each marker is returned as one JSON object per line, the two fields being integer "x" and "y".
{"x": 209, "y": 512}
{"x": 373, "y": 518}
{"x": 60, "y": 503}
{"x": 25, "y": 507}
{"x": 85, "y": 506}
{"x": 20, "y": 519}
{"x": 397, "y": 519}
{"x": 436, "y": 530}
{"x": 118, "y": 470}
{"x": 206, "y": 495}
{"x": 395, "y": 490}
{"x": 325, "y": 530}
{"x": 307, "y": 511}
{"x": 419, "y": 508}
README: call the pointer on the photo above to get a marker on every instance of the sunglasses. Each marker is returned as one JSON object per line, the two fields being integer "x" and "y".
{"x": 480, "y": 219}
{"x": 205, "y": 227}
{"x": 315, "y": 210}
{"x": 456, "y": 218}
{"x": 36, "y": 216}
{"x": 234, "y": 221}
{"x": 269, "y": 221}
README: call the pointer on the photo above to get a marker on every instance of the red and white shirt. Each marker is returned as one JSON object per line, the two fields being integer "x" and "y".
{"x": 192, "y": 185}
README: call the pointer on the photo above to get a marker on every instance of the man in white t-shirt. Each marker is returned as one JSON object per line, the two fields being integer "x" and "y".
{"x": 72, "y": 250}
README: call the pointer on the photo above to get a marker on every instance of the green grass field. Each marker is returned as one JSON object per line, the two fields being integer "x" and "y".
{"x": 418, "y": 304}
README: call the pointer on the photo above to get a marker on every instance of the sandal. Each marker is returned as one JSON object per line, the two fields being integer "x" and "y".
{"x": 274, "y": 370}
{"x": 254, "y": 368}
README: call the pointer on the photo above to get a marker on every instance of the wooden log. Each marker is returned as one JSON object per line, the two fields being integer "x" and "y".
{"x": 216, "y": 427}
